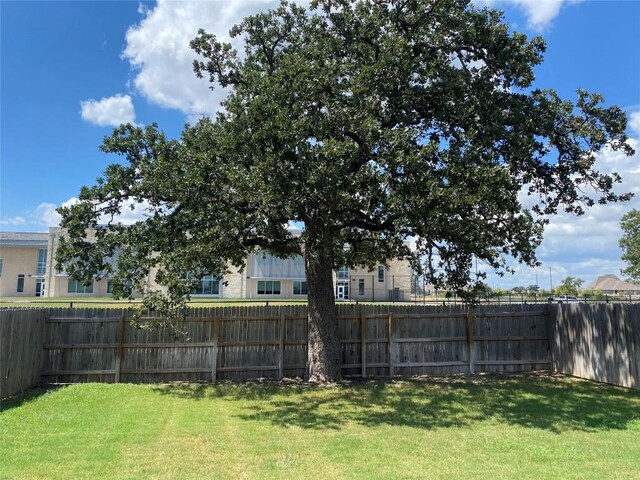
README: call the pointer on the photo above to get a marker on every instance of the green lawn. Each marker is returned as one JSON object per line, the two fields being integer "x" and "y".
{"x": 108, "y": 302}
{"x": 487, "y": 427}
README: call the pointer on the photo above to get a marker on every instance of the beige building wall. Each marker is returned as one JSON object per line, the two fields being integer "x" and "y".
{"x": 18, "y": 261}
{"x": 233, "y": 284}
{"x": 53, "y": 285}
{"x": 286, "y": 289}
{"x": 60, "y": 288}
{"x": 394, "y": 284}
{"x": 58, "y": 282}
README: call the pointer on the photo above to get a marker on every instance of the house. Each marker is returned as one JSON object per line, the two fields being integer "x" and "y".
{"x": 612, "y": 285}
{"x": 31, "y": 272}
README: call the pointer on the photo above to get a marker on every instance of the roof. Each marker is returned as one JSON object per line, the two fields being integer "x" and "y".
{"x": 23, "y": 239}
{"x": 613, "y": 283}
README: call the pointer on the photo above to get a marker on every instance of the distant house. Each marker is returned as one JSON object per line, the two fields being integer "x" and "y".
{"x": 29, "y": 270}
{"x": 612, "y": 285}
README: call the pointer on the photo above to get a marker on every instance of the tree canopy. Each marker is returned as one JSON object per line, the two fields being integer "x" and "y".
{"x": 630, "y": 244}
{"x": 569, "y": 286}
{"x": 368, "y": 124}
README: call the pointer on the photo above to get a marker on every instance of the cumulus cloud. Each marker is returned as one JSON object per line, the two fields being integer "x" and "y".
{"x": 158, "y": 46}
{"x": 108, "y": 111}
{"x": 584, "y": 246}
{"x": 13, "y": 221}
{"x": 158, "y": 50}
{"x": 539, "y": 13}
{"x": 45, "y": 213}
{"x": 634, "y": 122}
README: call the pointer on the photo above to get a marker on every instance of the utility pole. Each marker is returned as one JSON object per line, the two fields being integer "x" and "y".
{"x": 550, "y": 281}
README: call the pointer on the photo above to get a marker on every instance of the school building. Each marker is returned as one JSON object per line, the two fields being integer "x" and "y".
{"x": 27, "y": 269}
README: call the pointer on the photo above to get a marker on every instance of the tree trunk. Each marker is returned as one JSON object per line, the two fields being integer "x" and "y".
{"x": 324, "y": 350}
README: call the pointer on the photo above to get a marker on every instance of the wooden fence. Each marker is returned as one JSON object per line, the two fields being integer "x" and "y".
{"x": 21, "y": 342}
{"x": 600, "y": 342}
{"x": 253, "y": 342}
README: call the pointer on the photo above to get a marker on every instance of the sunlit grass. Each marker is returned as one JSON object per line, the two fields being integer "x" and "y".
{"x": 487, "y": 427}
{"x": 108, "y": 302}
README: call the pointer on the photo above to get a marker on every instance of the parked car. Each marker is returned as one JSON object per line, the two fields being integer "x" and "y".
{"x": 563, "y": 299}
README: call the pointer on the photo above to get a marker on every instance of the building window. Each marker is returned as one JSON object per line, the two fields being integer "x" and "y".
{"x": 299, "y": 287}
{"x": 20, "y": 287}
{"x": 42, "y": 261}
{"x": 76, "y": 286}
{"x": 0, "y": 267}
{"x": 343, "y": 273}
{"x": 207, "y": 285}
{"x": 381, "y": 273}
{"x": 268, "y": 287}
{"x": 264, "y": 265}
{"x": 361, "y": 286}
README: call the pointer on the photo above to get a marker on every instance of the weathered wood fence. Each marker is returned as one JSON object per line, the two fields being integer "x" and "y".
{"x": 600, "y": 342}
{"x": 21, "y": 342}
{"x": 253, "y": 342}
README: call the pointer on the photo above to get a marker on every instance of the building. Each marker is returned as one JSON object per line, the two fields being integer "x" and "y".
{"x": 29, "y": 270}
{"x": 612, "y": 285}
{"x": 24, "y": 261}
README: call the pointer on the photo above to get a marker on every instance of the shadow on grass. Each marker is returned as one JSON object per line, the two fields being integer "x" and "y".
{"x": 555, "y": 404}
{"x": 24, "y": 398}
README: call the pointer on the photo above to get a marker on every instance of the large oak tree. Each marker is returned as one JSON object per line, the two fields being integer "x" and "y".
{"x": 366, "y": 122}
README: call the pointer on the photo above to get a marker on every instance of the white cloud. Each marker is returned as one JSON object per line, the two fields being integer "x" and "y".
{"x": 108, "y": 111}
{"x": 634, "y": 122}
{"x": 158, "y": 50}
{"x": 539, "y": 13}
{"x": 13, "y": 221}
{"x": 585, "y": 246}
{"x": 45, "y": 213}
{"x": 158, "y": 46}
{"x": 131, "y": 213}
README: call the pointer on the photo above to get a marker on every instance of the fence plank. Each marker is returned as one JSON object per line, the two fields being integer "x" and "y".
{"x": 391, "y": 345}
{"x": 215, "y": 332}
{"x": 120, "y": 350}
{"x": 598, "y": 342}
{"x": 22, "y": 334}
{"x": 470, "y": 342}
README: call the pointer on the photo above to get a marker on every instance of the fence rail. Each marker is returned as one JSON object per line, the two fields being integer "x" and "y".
{"x": 251, "y": 342}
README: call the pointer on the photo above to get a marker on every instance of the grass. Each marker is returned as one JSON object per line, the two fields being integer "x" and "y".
{"x": 108, "y": 302}
{"x": 483, "y": 427}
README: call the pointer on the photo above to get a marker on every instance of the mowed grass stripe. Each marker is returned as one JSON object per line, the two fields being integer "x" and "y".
{"x": 495, "y": 426}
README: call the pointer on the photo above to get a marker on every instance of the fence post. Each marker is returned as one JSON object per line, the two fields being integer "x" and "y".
{"x": 391, "y": 345}
{"x": 281, "y": 343}
{"x": 470, "y": 342}
{"x": 215, "y": 333}
{"x": 120, "y": 349}
{"x": 363, "y": 342}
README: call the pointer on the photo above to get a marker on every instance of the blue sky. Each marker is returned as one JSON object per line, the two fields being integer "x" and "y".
{"x": 70, "y": 71}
